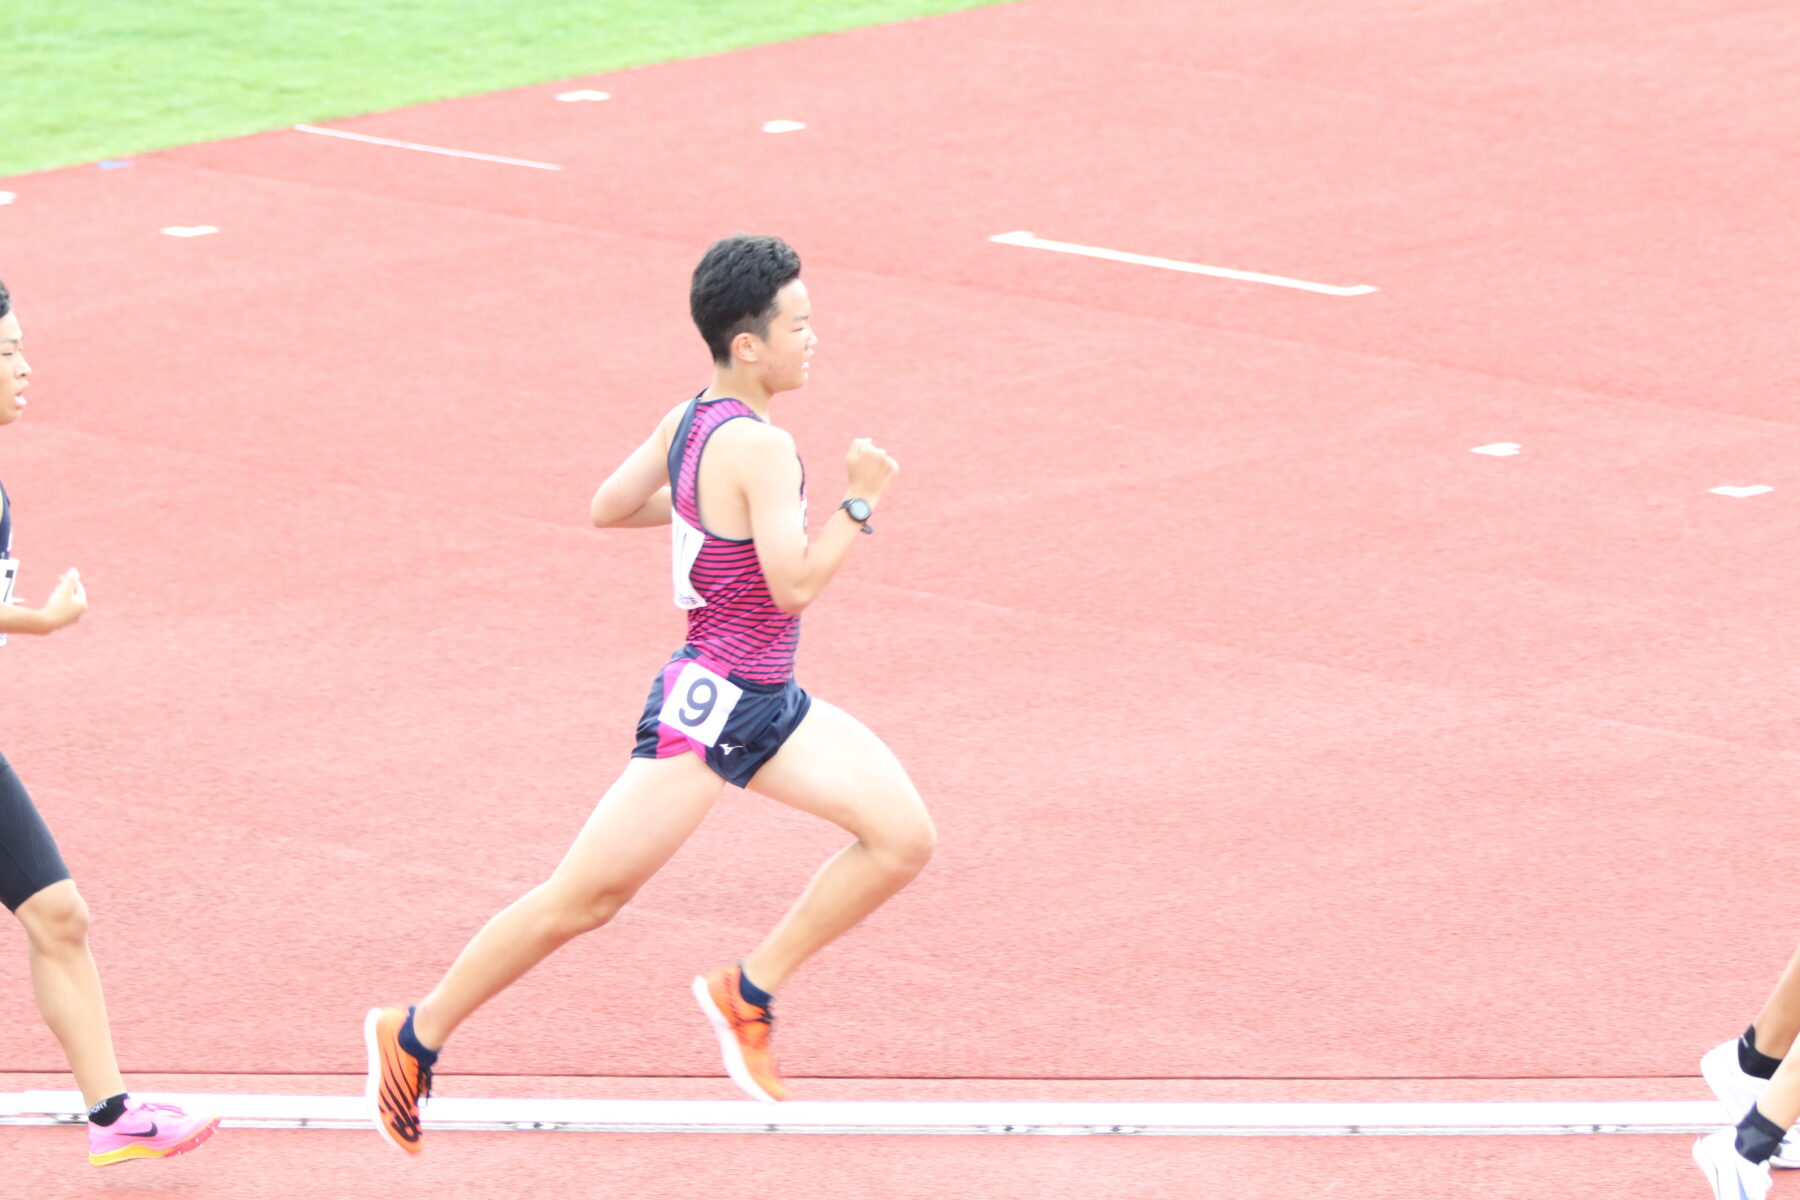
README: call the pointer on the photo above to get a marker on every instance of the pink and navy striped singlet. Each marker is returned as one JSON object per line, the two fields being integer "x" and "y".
{"x": 733, "y": 623}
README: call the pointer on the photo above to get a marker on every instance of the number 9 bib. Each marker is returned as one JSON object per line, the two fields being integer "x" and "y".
{"x": 699, "y": 703}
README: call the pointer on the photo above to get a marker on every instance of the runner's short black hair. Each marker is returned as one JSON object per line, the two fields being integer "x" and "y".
{"x": 5, "y": 299}
{"x": 735, "y": 286}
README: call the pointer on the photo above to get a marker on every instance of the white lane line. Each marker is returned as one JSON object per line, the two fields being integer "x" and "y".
{"x": 189, "y": 231}
{"x": 423, "y": 149}
{"x": 783, "y": 126}
{"x": 583, "y": 94}
{"x": 1171, "y": 264}
{"x": 944, "y": 1117}
{"x": 1742, "y": 492}
{"x": 1499, "y": 449}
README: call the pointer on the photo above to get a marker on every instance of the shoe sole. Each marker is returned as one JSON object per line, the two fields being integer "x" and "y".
{"x": 372, "y": 1088}
{"x": 1726, "y": 1184}
{"x": 113, "y": 1158}
{"x": 733, "y": 1054}
{"x": 1709, "y": 1169}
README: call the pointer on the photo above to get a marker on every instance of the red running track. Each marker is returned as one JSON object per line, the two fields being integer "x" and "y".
{"x": 1271, "y": 733}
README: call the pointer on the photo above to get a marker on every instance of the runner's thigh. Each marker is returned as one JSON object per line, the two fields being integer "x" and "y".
{"x": 835, "y": 767}
{"x": 650, "y": 810}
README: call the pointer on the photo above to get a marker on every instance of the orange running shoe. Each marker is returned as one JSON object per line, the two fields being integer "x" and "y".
{"x": 744, "y": 1031}
{"x": 398, "y": 1082}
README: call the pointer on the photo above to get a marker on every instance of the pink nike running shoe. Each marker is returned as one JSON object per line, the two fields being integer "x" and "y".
{"x": 147, "y": 1131}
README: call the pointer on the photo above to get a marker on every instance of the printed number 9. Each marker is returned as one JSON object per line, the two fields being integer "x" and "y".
{"x": 702, "y": 706}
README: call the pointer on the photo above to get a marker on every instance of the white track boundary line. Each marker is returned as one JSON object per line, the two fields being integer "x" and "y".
{"x": 921, "y": 1117}
{"x": 1170, "y": 264}
{"x": 423, "y": 149}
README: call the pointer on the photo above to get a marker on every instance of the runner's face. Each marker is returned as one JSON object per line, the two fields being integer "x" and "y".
{"x": 14, "y": 370}
{"x": 784, "y": 353}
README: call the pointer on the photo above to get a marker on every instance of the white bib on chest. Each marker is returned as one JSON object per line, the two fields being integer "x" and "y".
{"x": 688, "y": 544}
{"x": 9, "y": 572}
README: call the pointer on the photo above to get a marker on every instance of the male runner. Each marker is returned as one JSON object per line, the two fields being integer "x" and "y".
{"x": 1759, "y": 1081}
{"x": 36, "y": 887}
{"x": 725, "y": 708}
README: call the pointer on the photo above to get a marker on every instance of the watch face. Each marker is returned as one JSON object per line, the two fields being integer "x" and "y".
{"x": 858, "y": 509}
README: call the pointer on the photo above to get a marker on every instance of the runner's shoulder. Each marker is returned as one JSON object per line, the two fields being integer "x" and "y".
{"x": 665, "y": 428}
{"x": 754, "y": 441}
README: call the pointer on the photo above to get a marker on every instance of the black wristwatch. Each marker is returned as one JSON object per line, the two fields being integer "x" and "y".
{"x": 859, "y": 511}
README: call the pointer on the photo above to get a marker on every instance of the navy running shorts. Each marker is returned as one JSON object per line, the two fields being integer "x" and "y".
{"x": 734, "y": 725}
{"x": 29, "y": 859}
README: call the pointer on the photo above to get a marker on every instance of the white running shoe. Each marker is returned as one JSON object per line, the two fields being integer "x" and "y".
{"x": 1733, "y": 1177}
{"x": 1738, "y": 1090}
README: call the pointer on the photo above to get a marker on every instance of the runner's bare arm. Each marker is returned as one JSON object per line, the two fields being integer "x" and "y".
{"x": 65, "y": 606}
{"x": 16, "y": 618}
{"x": 637, "y": 493}
{"x": 768, "y": 472}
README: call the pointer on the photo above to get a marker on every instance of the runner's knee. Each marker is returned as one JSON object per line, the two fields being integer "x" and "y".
{"x": 56, "y": 918}
{"x": 581, "y": 912}
{"x": 907, "y": 848}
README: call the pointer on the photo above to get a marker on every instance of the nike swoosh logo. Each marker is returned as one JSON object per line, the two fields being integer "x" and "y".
{"x": 730, "y": 749}
{"x": 150, "y": 1132}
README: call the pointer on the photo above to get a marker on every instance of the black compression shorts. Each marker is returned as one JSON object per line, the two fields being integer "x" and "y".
{"x": 29, "y": 859}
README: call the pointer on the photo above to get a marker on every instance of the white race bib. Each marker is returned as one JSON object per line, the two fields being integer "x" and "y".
{"x": 688, "y": 544}
{"x": 699, "y": 702}
{"x": 9, "y": 571}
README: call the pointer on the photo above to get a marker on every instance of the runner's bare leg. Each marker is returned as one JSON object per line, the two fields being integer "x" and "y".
{"x": 66, "y": 983}
{"x": 834, "y": 767}
{"x": 646, "y": 815}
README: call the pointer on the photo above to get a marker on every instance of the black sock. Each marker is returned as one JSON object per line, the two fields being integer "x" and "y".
{"x": 1753, "y": 1061}
{"x": 409, "y": 1042}
{"x": 108, "y": 1110}
{"x": 1757, "y": 1136}
{"x": 750, "y": 992}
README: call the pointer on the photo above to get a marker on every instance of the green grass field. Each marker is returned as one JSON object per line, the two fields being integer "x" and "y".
{"x": 108, "y": 78}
